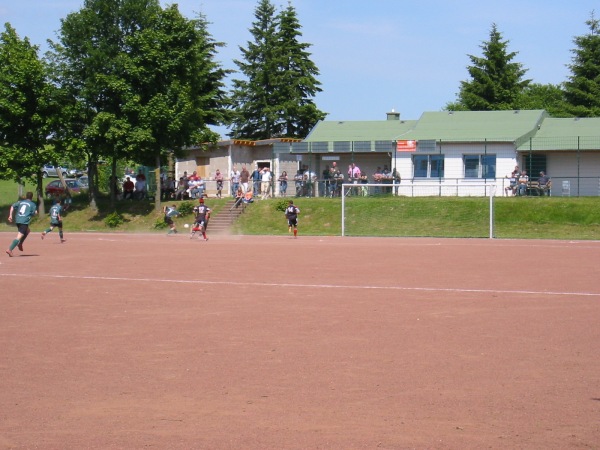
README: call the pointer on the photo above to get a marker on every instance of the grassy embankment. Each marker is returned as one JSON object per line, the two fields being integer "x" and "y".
{"x": 527, "y": 217}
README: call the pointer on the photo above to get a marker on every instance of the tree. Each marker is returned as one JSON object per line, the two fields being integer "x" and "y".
{"x": 549, "y": 97}
{"x": 582, "y": 90}
{"x": 88, "y": 61}
{"x": 299, "y": 85}
{"x": 25, "y": 108}
{"x": 496, "y": 82}
{"x": 255, "y": 98}
{"x": 177, "y": 88}
{"x": 275, "y": 97}
{"x": 142, "y": 79}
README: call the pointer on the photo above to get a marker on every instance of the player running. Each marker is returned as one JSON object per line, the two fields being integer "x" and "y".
{"x": 170, "y": 212}
{"x": 201, "y": 222}
{"x": 55, "y": 220}
{"x": 23, "y": 210}
{"x": 291, "y": 214}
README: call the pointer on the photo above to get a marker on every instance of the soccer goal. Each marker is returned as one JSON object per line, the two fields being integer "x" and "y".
{"x": 418, "y": 210}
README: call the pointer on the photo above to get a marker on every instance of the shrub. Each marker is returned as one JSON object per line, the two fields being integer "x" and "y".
{"x": 160, "y": 224}
{"x": 281, "y": 205}
{"x": 186, "y": 208}
{"x": 113, "y": 220}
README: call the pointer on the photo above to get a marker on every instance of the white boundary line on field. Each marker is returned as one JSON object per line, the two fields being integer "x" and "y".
{"x": 310, "y": 286}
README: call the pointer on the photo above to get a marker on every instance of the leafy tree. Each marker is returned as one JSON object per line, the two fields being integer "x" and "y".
{"x": 274, "y": 98}
{"x": 25, "y": 108}
{"x": 142, "y": 79}
{"x": 176, "y": 88}
{"x": 582, "y": 90}
{"x": 496, "y": 82}
{"x": 298, "y": 83}
{"x": 88, "y": 61}
{"x": 549, "y": 97}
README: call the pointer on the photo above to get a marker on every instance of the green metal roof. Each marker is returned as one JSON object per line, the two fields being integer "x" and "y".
{"x": 475, "y": 126}
{"x": 529, "y": 130}
{"x": 355, "y": 130}
{"x": 565, "y": 134}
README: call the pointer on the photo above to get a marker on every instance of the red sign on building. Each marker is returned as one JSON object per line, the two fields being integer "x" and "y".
{"x": 406, "y": 146}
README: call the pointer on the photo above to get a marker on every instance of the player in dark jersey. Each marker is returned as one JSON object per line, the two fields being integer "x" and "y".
{"x": 23, "y": 211}
{"x": 201, "y": 222}
{"x": 291, "y": 214}
{"x": 55, "y": 220}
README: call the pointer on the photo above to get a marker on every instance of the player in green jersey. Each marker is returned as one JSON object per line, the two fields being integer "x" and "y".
{"x": 21, "y": 212}
{"x": 55, "y": 220}
{"x": 170, "y": 212}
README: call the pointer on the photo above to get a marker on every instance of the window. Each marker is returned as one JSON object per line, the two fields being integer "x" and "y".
{"x": 480, "y": 166}
{"x": 428, "y": 166}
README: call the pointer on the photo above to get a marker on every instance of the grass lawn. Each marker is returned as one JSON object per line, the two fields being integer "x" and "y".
{"x": 520, "y": 217}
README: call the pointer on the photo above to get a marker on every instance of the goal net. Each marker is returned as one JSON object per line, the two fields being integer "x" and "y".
{"x": 418, "y": 210}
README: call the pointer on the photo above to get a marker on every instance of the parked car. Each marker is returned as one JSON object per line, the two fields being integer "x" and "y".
{"x": 84, "y": 181}
{"x": 56, "y": 188}
{"x": 74, "y": 173}
{"x": 51, "y": 171}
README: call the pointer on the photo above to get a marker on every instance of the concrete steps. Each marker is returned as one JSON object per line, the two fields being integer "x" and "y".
{"x": 221, "y": 223}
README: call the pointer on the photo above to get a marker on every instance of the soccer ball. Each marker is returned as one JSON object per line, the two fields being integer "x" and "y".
{"x": 187, "y": 225}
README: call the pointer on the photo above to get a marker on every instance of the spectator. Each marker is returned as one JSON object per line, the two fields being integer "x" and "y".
{"x": 545, "y": 185}
{"x": 326, "y": 177}
{"x": 248, "y": 197}
{"x": 140, "y": 188}
{"x": 140, "y": 176}
{"x": 265, "y": 183}
{"x": 234, "y": 177}
{"x": 182, "y": 188}
{"x": 244, "y": 177}
{"x": 513, "y": 179}
{"x": 219, "y": 180}
{"x": 522, "y": 183}
{"x": 256, "y": 180}
{"x": 128, "y": 188}
{"x": 168, "y": 189}
{"x": 239, "y": 197}
{"x": 197, "y": 187}
{"x": 283, "y": 183}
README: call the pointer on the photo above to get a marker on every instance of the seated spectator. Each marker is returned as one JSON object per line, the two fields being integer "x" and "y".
{"x": 545, "y": 184}
{"x": 513, "y": 179}
{"x": 196, "y": 187}
{"x": 522, "y": 183}
{"x": 128, "y": 188}
{"x": 239, "y": 197}
{"x": 248, "y": 197}
{"x": 168, "y": 189}
{"x": 182, "y": 188}
{"x": 140, "y": 189}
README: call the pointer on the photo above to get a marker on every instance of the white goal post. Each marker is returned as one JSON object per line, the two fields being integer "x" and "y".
{"x": 395, "y": 200}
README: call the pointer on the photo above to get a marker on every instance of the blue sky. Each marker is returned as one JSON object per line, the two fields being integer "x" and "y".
{"x": 380, "y": 54}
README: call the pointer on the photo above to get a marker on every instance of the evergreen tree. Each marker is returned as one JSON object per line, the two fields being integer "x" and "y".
{"x": 298, "y": 82}
{"x": 275, "y": 97}
{"x": 254, "y": 98}
{"x": 582, "y": 90}
{"x": 496, "y": 82}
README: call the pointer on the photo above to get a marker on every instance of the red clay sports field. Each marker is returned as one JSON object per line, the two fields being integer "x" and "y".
{"x": 149, "y": 341}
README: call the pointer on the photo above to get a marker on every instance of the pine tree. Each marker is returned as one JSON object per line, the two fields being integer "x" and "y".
{"x": 275, "y": 98}
{"x": 254, "y": 98}
{"x": 497, "y": 83}
{"x": 298, "y": 79}
{"x": 582, "y": 90}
